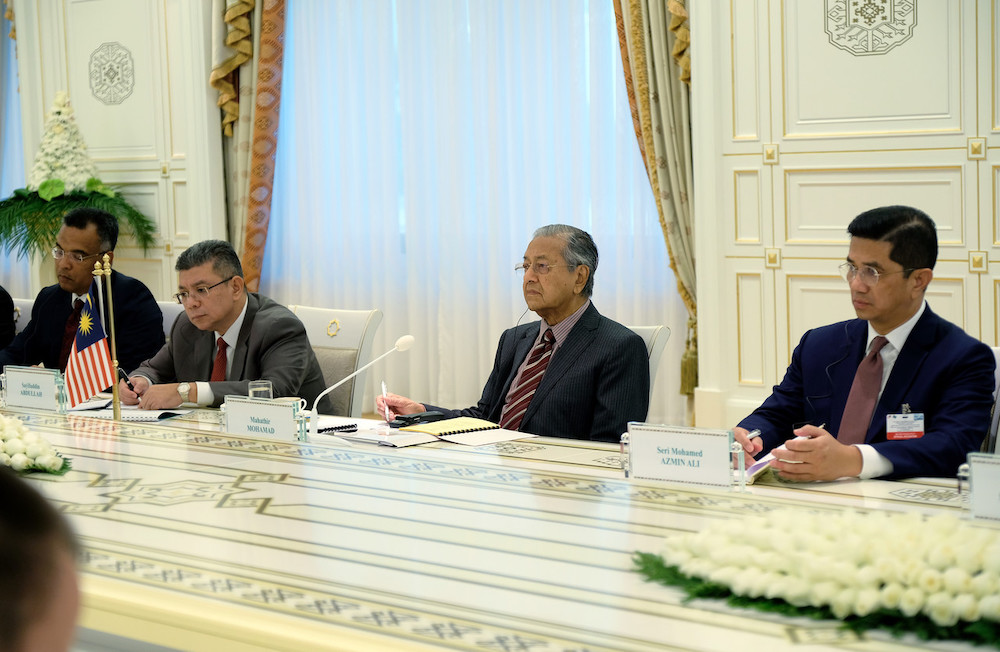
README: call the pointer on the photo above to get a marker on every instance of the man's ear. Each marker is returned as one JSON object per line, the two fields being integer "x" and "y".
{"x": 239, "y": 285}
{"x": 582, "y": 274}
{"x": 921, "y": 278}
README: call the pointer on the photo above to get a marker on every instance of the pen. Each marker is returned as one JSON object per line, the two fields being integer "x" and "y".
{"x": 753, "y": 434}
{"x": 123, "y": 376}
{"x": 385, "y": 400}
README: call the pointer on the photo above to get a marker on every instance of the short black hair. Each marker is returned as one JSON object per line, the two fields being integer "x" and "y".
{"x": 220, "y": 253}
{"x": 32, "y": 532}
{"x": 106, "y": 223}
{"x": 910, "y": 231}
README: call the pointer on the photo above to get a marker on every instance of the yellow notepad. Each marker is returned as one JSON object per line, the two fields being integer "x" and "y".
{"x": 452, "y": 426}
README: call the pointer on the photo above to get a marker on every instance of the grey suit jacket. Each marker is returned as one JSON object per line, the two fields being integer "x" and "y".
{"x": 596, "y": 382}
{"x": 272, "y": 345}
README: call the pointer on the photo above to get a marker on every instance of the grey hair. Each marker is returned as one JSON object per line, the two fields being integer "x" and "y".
{"x": 578, "y": 250}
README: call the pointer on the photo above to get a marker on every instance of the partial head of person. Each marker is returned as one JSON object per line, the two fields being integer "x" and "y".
{"x": 210, "y": 285}
{"x": 39, "y": 592}
{"x": 558, "y": 268}
{"x": 85, "y": 236}
{"x": 889, "y": 264}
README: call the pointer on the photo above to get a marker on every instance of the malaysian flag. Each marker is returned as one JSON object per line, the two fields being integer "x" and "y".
{"x": 89, "y": 369}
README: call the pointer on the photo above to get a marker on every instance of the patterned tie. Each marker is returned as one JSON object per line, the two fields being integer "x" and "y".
{"x": 863, "y": 397}
{"x": 219, "y": 366}
{"x": 538, "y": 361}
{"x": 69, "y": 334}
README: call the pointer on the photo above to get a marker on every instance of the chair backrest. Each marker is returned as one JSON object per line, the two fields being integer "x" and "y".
{"x": 990, "y": 443}
{"x": 170, "y": 310}
{"x": 655, "y": 338}
{"x": 342, "y": 340}
{"x": 22, "y": 313}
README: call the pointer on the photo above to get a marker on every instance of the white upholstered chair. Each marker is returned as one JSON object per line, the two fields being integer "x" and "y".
{"x": 170, "y": 310}
{"x": 655, "y": 338}
{"x": 22, "y": 313}
{"x": 990, "y": 443}
{"x": 342, "y": 340}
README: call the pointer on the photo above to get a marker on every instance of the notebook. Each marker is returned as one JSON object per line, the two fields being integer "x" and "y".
{"x": 467, "y": 430}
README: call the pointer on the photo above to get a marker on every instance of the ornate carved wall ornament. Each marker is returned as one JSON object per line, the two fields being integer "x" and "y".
{"x": 112, "y": 73}
{"x": 868, "y": 27}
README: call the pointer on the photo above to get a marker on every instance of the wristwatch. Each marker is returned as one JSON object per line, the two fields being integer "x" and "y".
{"x": 183, "y": 390}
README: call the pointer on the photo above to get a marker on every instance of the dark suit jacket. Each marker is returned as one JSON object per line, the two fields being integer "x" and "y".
{"x": 596, "y": 382}
{"x": 941, "y": 372}
{"x": 7, "y": 326}
{"x": 138, "y": 325}
{"x": 272, "y": 345}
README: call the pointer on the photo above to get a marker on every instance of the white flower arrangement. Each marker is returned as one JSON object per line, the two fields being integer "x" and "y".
{"x": 62, "y": 154}
{"x": 23, "y": 450}
{"x": 936, "y": 575}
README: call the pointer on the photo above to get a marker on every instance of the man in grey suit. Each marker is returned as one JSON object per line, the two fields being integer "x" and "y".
{"x": 575, "y": 373}
{"x": 225, "y": 338}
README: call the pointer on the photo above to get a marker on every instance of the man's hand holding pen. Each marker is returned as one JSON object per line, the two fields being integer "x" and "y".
{"x": 130, "y": 389}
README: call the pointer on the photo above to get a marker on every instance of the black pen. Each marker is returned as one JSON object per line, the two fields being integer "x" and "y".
{"x": 128, "y": 383}
{"x": 347, "y": 427}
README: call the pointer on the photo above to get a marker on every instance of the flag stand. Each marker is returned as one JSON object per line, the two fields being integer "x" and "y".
{"x": 105, "y": 271}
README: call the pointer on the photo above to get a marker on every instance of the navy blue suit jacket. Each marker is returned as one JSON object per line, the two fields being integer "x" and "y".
{"x": 941, "y": 372}
{"x": 596, "y": 382}
{"x": 138, "y": 325}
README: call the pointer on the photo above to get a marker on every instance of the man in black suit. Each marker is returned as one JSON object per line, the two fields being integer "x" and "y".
{"x": 586, "y": 380}
{"x": 225, "y": 338}
{"x": 86, "y": 234}
{"x": 7, "y": 325}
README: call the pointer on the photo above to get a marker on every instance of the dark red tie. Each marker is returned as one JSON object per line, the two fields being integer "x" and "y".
{"x": 864, "y": 395}
{"x": 219, "y": 366}
{"x": 538, "y": 361}
{"x": 72, "y": 324}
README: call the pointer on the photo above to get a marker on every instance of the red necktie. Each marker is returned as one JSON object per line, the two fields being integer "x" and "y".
{"x": 219, "y": 366}
{"x": 863, "y": 397}
{"x": 538, "y": 361}
{"x": 69, "y": 334}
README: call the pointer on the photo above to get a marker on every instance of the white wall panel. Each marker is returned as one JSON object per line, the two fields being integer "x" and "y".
{"x": 748, "y": 206}
{"x": 746, "y": 71}
{"x": 751, "y": 320}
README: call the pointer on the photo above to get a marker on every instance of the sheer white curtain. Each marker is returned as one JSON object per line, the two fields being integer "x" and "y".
{"x": 14, "y": 273}
{"x": 421, "y": 143}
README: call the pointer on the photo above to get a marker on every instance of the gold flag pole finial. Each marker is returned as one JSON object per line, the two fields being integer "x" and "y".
{"x": 105, "y": 271}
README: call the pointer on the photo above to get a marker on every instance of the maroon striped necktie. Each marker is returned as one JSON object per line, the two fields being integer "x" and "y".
{"x": 69, "y": 333}
{"x": 863, "y": 396}
{"x": 219, "y": 365}
{"x": 538, "y": 361}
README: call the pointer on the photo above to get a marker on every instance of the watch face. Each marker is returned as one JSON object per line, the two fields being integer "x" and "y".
{"x": 183, "y": 390}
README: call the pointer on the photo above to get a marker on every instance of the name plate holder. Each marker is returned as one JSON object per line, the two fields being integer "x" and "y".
{"x": 699, "y": 456}
{"x": 263, "y": 418}
{"x": 983, "y": 473}
{"x": 34, "y": 387}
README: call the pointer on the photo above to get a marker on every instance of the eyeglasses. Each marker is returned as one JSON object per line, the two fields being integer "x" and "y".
{"x": 541, "y": 269}
{"x": 199, "y": 292}
{"x": 869, "y": 275}
{"x": 76, "y": 257}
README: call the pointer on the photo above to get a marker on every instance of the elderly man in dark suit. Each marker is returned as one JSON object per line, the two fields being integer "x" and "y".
{"x": 225, "y": 338}
{"x": 86, "y": 235}
{"x": 897, "y": 392}
{"x": 575, "y": 373}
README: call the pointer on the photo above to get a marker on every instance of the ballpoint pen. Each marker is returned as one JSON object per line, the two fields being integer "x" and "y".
{"x": 124, "y": 376}
{"x": 385, "y": 401}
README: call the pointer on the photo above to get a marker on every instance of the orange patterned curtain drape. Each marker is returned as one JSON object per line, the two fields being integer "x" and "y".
{"x": 9, "y": 15}
{"x": 248, "y": 54}
{"x": 654, "y": 39}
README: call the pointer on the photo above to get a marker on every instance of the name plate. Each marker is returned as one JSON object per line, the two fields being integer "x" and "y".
{"x": 984, "y": 501}
{"x": 678, "y": 454}
{"x": 34, "y": 387}
{"x": 262, "y": 418}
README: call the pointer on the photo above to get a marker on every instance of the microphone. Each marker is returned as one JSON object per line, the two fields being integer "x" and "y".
{"x": 402, "y": 344}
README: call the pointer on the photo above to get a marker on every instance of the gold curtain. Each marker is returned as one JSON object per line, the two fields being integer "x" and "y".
{"x": 654, "y": 39}
{"x": 236, "y": 16}
{"x": 9, "y": 15}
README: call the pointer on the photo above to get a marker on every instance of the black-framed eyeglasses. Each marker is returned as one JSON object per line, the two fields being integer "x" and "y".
{"x": 868, "y": 275}
{"x": 200, "y": 292}
{"x": 58, "y": 253}
{"x": 541, "y": 269}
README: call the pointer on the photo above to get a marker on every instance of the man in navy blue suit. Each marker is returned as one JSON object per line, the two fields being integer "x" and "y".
{"x": 598, "y": 377}
{"x": 86, "y": 235}
{"x": 933, "y": 405}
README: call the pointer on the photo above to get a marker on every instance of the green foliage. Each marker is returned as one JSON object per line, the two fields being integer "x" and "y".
{"x": 982, "y": 632}
{"x": 51, "y": 188}
{"x": 29, "y": 223}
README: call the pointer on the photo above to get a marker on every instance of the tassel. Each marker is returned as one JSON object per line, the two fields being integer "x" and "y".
{"x": 689, "y": 361}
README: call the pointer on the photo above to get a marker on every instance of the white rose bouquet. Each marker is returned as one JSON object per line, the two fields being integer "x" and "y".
{"x": 23, "y": 450}
{"x": 936, "y": 576}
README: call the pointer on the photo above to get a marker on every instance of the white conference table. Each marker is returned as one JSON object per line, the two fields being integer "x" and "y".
{"x": 198, "y": 540}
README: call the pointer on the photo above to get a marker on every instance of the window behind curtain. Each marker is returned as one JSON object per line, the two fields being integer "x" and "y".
{"x": 419, "y": 146}
{"x": 14, "y": 273}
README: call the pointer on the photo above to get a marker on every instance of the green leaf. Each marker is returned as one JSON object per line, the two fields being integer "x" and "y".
{"x": 51, "y": 188}
{"x": 96, "y": 185}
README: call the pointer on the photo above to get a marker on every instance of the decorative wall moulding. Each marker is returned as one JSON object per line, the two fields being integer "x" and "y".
{"x": 112, "y": 73}
{"x": 870, "y": 27}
